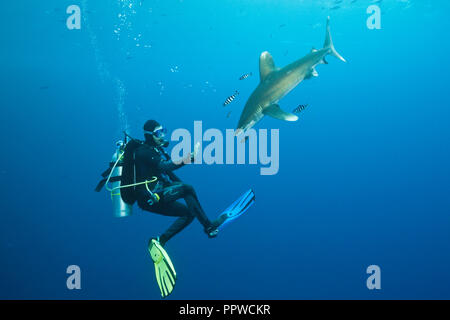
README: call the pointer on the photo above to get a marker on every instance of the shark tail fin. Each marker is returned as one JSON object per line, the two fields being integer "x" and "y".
{"x": 329, "y": 43}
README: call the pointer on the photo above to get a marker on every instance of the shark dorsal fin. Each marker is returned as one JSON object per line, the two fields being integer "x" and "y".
{"x": 266, "y": 65}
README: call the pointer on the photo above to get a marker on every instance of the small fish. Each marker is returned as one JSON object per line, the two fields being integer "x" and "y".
{"x": 282, "y": 25}
{"x": 44, "y": 87}
{"x": 245, "y": 76}
{"x": 230, "y": 98}
{"x": 228, "y": 114}
{"x": 335, "y": 7}
{"x": 300, "y": 108}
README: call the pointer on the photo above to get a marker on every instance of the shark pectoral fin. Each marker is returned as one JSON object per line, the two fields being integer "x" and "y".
{"x": 275, "y": 111}
{"x": 266, "y": 65}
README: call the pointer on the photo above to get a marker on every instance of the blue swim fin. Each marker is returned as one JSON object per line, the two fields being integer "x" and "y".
{"x": 238, "y": 208}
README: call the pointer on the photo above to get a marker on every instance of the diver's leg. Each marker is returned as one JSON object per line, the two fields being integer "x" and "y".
{"x": 195, "y": 207}
{"x": 185, "y": 218}
{"x": 171, "y": 209}
{"x": 187, "y": 192}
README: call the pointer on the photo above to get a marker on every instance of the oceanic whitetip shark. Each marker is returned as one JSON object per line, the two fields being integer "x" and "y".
{"x": 275, "y": 83}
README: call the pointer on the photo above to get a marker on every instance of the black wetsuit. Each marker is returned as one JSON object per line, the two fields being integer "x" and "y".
{"x": 151, "y": 162}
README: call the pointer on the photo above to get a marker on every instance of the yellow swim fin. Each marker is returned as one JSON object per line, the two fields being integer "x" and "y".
{"x": 164, "y": 269}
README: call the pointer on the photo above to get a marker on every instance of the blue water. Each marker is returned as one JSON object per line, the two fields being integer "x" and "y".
{"x": 364, "y": 174}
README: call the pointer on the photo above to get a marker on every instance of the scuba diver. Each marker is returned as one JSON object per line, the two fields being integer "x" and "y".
{"x": 147, "y": 177}
{"x": 151, "y": 161}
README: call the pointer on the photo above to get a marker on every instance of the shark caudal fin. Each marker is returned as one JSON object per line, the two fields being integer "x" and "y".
{"x": 329, "y": 43}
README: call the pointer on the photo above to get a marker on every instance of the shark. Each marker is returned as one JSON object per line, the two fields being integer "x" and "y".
{"x": 275, "y": 83}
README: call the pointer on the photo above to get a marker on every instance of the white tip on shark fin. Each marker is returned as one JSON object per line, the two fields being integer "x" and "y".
{"x": 275, "y": 111}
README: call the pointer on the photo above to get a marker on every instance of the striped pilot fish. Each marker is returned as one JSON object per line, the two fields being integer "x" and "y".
{"x": 300, "y": 108}
{"x": 245, "y": 76}
{"x": 230, "y": 98}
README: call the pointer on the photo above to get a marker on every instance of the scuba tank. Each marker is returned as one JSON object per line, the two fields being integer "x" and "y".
{"x": 120, "y": 208}
{"x": 120, "y": 178}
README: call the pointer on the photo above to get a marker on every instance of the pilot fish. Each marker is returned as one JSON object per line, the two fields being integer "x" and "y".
{"x": 230, "y": 98}
{"x": 245, "y": 76}
{"x": 300, "y": 108}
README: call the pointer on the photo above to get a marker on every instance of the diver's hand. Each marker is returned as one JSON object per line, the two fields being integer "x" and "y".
{"x": 196, "y": 150}
{"x": 192, "y": 155}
